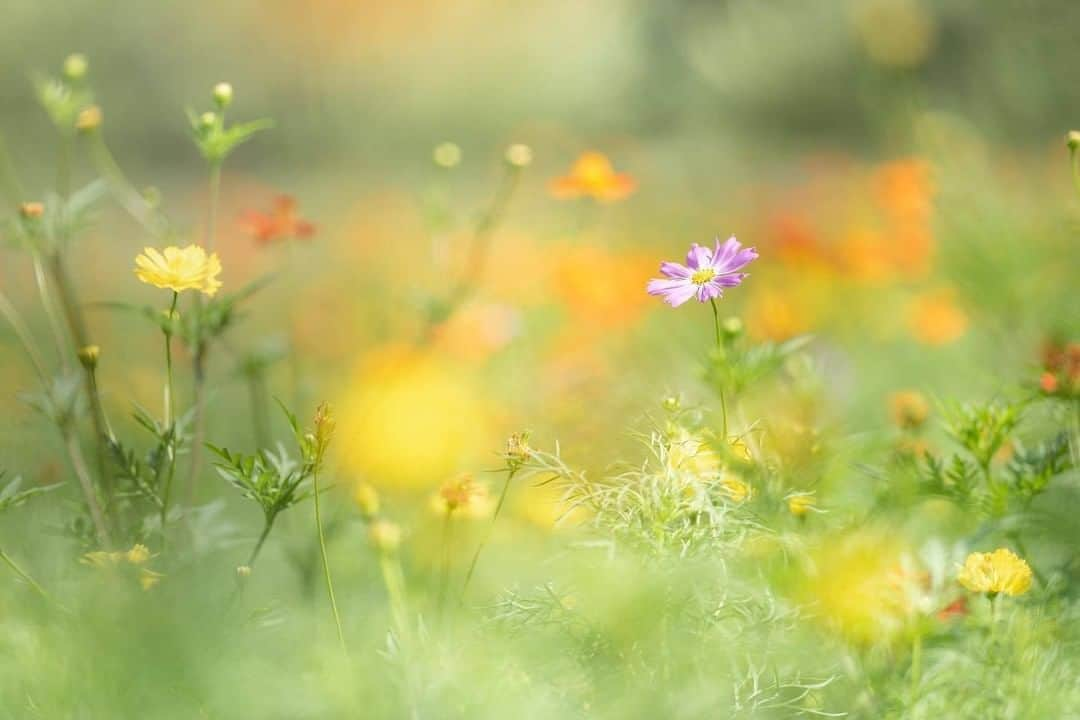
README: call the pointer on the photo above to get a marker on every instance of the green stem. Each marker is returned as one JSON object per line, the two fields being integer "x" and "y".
{"x": 716, "y": 320}
{"x": 268, "y": 523}
{"x": 326, "y": 563}
{"x": 170, "y": 425}
{"x": 126, "y": 194}
{"x": 395, "y": 590}
{"x": 10, "y": 562}
{"x": 198, "y": 358}
{"x": 916, "y": 667}
{"x": 71, "y": 444}
{"x": 259, "y": 407}
{"x": 491, "y": 527}
{"x": 720, "y": 390}
{"x": 444, "y": 572}
{"x": 1075, "y": 170}
{"x": 81, "y": 336}
{"x": 480, "y": 246}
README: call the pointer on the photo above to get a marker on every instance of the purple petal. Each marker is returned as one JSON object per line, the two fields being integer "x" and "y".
{"x": 731, "y": 256}
{"x": 730, "y": 280}
{"x": 724, "y": 252}
{"x": 698, "y": 257}
{"x": 675, "y": 292}
{"x": 708, "y": 291}
{"x": 675, "y": 271}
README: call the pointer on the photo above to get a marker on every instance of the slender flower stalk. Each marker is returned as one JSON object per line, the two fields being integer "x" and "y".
{"x": 81, "y": 337}
{"x": 517, "y": 158}
{"x": 169, "y": 421}
{"x": 133, "y": 202}
{"x": 198, "y": 356}
{"x": 71, "y": 443}
{"x": 320, "y": 441}
{"x": 10, "y": 562}
{"x": 491, "y": 529}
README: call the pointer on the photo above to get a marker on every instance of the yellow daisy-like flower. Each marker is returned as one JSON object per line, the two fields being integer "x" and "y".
{"x": 1001, "y": 571}
{"x": 180, "y": 269}
{"x": 800, "y": 504}
{"x": 735, "y": 488}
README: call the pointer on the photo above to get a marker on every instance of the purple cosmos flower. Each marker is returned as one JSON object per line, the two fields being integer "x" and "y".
{"x": 706, "y": 273}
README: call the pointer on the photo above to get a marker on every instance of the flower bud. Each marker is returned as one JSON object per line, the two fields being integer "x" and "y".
{"x": 446, "y": 155}
{"x": 223, "y": 94}
{"x": 732, "y": 327}
{"x": 75, "y": 66}
{"x": 89, "y": 119}
{"x": 243, "y": 572}
{"x": 207, "y": 120}
{"x": 519, "y": 156}
{"x": 89, "y": 355}
{"x": 517, "y": 450}
{"x": 799, "y": 505}
{"x": 671, "y": 403}
{"x": 31, "y": 210}
{"x": 385, "y": 536}
{"x": 367, "y": 500}
{"x": 1072, "y": 139}
{"x": 137, "y": 555}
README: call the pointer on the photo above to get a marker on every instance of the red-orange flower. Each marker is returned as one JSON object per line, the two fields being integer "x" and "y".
{"x": 281, "y": 223}
{"x": 593, "y": 176}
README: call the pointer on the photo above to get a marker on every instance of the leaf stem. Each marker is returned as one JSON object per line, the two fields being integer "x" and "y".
{"x": 491, "y": 527}
{"x": 326, "y": 563}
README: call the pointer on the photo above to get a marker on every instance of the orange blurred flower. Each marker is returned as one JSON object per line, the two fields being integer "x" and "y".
{"x": 935, "y": 318}
{"x": 593, "y": 176}
{"x": 478, "y": 330}
{"x": 281, "y": 223}
{"x": 776, "y": 315}
{"x": 600, "y": 287}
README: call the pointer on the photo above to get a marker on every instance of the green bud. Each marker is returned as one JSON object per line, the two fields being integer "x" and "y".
{"x": 519, "y": 156}
{"x": 75, "y": 66}
{"x": 1072, "y": 139}
{"x": 446, "y": 155}
{"x": 223, "y": 94}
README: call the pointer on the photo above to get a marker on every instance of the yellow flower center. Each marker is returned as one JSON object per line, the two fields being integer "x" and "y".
{"x": 703, "y": 276}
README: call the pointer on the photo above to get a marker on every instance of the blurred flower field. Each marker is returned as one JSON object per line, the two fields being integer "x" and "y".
{"x": 563, "y": 360}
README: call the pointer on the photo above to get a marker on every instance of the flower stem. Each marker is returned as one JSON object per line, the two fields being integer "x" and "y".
{"x": 716, "y": 320}
{"x": 71, "y": 443}
{"x": 326, "y": 564}
{"x": 10, "y": 562}
{"x": 444, "y": 571}
{"x": 267, "y": 524}
{"x": 77, "y": 327}
{"x": 170, "y": 424}
{"x": 916, "y": 667}
{"x": 491, "y": 527}
{"x": 720, "y": 390}
{"x": 198, "y": 358}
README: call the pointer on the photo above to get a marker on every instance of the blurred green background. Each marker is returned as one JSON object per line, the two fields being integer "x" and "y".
{"x": 899, "y": 164}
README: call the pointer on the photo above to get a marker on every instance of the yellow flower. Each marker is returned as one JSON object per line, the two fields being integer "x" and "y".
{"x": 737, "y": 489}
{"x": 385, "y": 535}
{"x": 137, "y": 555}
{"x": 935, "y": 318}
{"x": 149, "y": 578}
{"x": 179, "y": 269}
{"x": 1001, "y": 571}
{"x": 689, "y": 453}
{"x": 909, "y": 409}
{"x": 462, "y": 495}
{"x": 367, "y": 500}
{"x": 593, "y": 176}
{"x": 800, "y": 504}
